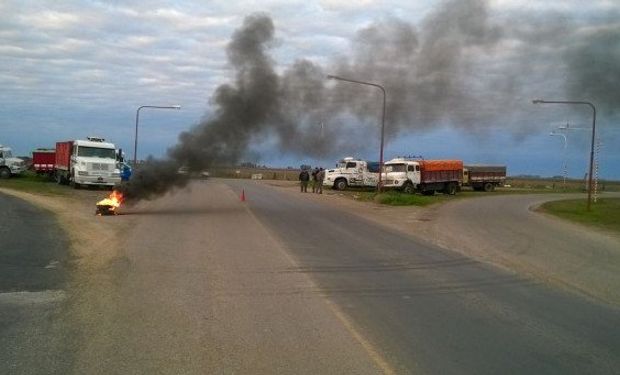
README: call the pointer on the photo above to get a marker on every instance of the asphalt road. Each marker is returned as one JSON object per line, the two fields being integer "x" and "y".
{"x": 431, "y": 310}
{"x": 203, "y": 288}
{"x": 287, "y": 283}
{"x": 33, "y": 275}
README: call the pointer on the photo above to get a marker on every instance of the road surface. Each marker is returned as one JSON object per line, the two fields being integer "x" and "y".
{"x": 203, "y": 288}
{"x": 33, "y": 276}
{"x": 287, "y": 283}
{"x": 436, "y": 311}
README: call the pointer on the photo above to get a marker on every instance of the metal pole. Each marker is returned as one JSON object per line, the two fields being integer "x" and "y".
{"x": 135, "y": 144}
{"x": 379, "y": 186}
{"x": 539, "y": 101}
{"x": 564, "y": 166}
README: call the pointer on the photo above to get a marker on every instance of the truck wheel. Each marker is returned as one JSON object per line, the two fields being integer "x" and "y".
{"x": 408, "y": 188}
{"x": 489, "y": 187}
{"x": 61, "y": 180}
{"x": 340, "y": 184}
{"x": 450, "y": 189}
{"x": 72, "y": 182}
{"x": 5, "y": 173}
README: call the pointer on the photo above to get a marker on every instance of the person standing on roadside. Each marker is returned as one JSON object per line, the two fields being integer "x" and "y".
{"x": 314, "y": 172}
{"x": 320, "y": 176}
{"x": 304, "y": 176}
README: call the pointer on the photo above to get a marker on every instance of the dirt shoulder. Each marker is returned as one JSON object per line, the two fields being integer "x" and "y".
{"x": 94, "y": 240}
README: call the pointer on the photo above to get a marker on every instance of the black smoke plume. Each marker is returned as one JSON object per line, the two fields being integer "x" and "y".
{"x": 463, "y": 67}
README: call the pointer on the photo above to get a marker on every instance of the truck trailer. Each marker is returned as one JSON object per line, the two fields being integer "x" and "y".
{"x": 43, "y": 160}
{"x": 86, "y": 162}
{"x": 424, "y": 176}
{"x": 484, "y": 177}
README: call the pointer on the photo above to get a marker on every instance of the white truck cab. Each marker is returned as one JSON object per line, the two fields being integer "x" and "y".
{"x": 87, "y": 162}
{"x": 94, "y": 162}
{"x": 10, "y": 166}
{"x": 352, "y": 172}
{"x": 401, "y": 173}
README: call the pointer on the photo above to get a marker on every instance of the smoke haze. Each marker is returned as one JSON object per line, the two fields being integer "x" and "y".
{"x": 462, "y": 67}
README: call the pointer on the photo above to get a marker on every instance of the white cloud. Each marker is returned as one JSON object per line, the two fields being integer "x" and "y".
{"x": 96, "y": 55}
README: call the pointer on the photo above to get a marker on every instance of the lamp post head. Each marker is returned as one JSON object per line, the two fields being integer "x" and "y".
{"x": 330, "y": 76}
{"x": 176, "y": 106}
{"x": 537, "y": 101}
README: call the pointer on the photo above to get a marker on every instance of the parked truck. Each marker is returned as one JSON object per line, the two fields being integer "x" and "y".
{"x": 10, "y": 166}
{"x": 484, "y": 177}
{"x": 423, "y": 176}
{"x": 352, "y": 172}
{"x": 86, "y": 162}
{"x": 43, "y": 160}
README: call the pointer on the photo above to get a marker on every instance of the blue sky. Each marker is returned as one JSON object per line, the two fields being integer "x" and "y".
{"x": 69, "y": 69}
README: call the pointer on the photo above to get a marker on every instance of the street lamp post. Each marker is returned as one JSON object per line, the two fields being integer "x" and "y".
{"x": 382, "y": 118}
{"x": 540, "y": 101}
{"x": 564, "y": 167}
{"x": 135, "y": 144}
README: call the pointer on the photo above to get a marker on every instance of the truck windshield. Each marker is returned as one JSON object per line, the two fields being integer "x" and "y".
{"x": 96, "y": 152}
{"x": 6, "y": 154}
{"x": 396, "y": 168}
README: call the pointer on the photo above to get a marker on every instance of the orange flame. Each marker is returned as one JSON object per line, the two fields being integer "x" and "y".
{"x": 114, "y": 200}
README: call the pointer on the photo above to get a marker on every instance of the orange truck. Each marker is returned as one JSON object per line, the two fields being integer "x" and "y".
{"x": 423, "y": 176}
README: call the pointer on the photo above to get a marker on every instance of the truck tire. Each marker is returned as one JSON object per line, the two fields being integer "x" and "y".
{"x": 489, "y": 187}
{"x": 408, "y": 188}
{"x": 62, "y": 179}
{"x": 340, "y": 184}
{"x": 450, "y": 189}
{"x": 428, "y": 192}
{"x": 5, "y": 173}
{"x": 72, "y": 182}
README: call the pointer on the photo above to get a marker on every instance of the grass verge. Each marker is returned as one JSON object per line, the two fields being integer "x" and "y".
{"x": 31, "y": 183}
{"x": 605, "y": 213}
{"x": 396, "y": 198}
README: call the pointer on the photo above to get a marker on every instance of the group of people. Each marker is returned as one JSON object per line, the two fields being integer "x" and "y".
{"x": 317, "y": 175}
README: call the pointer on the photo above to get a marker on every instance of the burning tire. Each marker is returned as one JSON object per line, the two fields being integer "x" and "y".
{"x": 109, "y": 205}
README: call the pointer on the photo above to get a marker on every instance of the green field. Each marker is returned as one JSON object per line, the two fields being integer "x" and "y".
{"x": 605, "y": 213}
{"x": 31, "y": 183}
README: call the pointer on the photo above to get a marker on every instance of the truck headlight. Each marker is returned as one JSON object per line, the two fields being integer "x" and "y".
{"x": 82, "y": 173}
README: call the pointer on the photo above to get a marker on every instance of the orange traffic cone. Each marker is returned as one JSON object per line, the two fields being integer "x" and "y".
{"x": 243, "y": 195}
